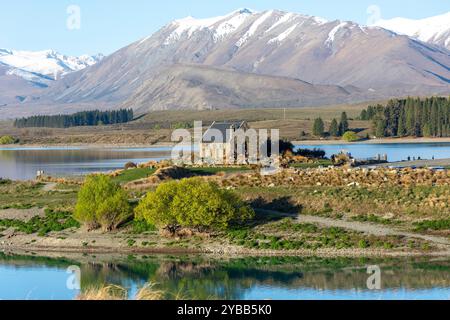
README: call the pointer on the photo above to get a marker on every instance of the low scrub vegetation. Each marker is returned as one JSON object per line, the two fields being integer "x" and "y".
{"x": 434, "y": 225}
{"x": 192, "y": 203}
{"x": 288, "y": 235}
{"x": 102, "y": 203}
{"x": 53, "y": 221}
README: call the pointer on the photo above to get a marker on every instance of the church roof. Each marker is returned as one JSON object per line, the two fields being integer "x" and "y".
{"x": 217, "y": 132}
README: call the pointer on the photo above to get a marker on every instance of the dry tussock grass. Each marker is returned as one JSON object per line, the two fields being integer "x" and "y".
{"x": 114, "y": 293}
{"x": 107, "y": 292}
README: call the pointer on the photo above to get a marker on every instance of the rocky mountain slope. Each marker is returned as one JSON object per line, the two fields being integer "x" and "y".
{"x": 201, "y": 87}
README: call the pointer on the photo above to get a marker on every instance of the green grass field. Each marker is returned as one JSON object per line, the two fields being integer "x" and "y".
{"x": 134, "y": 174}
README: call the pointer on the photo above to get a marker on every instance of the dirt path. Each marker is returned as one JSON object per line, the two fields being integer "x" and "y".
{"x": 21, "y": 214}
{"x": 372, "y": 229}
{"x": 416, "y": 163}
{"x": 50, "y": 186}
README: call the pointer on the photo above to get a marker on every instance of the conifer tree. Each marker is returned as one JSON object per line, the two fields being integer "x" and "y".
{"x": 334, "y": 128}
{"x": 343, "y": 125}
{"x": 318, "y": 127}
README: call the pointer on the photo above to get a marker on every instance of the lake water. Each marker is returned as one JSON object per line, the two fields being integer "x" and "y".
{"x": 394, "y": 151}
{"x": 196, "y": 277}
{"x": 23, "y": 163}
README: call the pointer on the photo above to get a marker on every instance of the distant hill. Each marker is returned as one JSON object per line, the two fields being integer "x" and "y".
{"x": 204, "y": 88}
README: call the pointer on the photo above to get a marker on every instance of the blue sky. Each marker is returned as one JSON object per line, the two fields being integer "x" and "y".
{"x": 108, "y": 25}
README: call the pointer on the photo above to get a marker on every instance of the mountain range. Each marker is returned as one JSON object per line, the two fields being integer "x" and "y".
{"x": 23, "y": 72}
{"x": 434, "y": 30}
{"x": 41, "y": 67}
{"x": 255, "y": 59}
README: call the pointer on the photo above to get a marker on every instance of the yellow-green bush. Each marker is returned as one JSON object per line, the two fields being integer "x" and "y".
{"x": 101, "y": 203}
{"x": 350, "y": 136}
{"x": 7, "y": 140}
{"x": 192, "y": 203}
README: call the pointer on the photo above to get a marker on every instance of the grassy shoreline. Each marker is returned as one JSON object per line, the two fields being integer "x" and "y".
{"x": 314, "y": 212}
{"x": 171, "y": 144}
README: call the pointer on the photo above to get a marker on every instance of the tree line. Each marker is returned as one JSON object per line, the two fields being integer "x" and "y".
{"x": 84, "y": 118}
{"x": 416, "y": 117}
{"x": 337, "y": 129}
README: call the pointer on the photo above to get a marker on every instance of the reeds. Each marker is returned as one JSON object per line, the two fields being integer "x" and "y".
{"x": 107, "y": 292}
{"x": 114, "y": 293}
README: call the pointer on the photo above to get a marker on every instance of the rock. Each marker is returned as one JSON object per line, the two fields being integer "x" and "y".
{"x": 353, "y": 184}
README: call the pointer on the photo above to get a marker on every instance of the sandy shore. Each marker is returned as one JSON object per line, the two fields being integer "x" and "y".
{"x": 171, "y": 144}
{"x": 73, "y": 242}
{"x": 214, "y": 250}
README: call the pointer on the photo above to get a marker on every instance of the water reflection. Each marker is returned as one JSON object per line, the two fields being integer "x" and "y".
{"x": 22, "y": 164}
{"x": 200, "y": 277}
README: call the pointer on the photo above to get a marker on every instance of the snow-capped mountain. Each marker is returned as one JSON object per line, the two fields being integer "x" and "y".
{"x": 274, "y": 43}
{"x": 223, "y": 27}
{"x": 257, "y": 59}
{"x": 42, "y": 67}
{"x": 435, "y": 30}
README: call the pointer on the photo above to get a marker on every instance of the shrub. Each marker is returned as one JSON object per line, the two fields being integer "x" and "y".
{"x": 314, "y": 153}
{"x": 141, "y": 226}
{"x": 363, "y": 244}
{"x": 192, "y": 203}
{"x": 130, "y": 165}
{"x": 7, "y": 140}
{"x": 350, "y": 136}
{"x": 101, "y": 203}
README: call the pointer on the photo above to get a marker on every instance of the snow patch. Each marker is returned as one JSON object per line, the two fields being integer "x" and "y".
{"x": 284, "y": 35}
{"x": 254, "y": 27}
{"x": 320, "y": 20}
{"x": 333, "y": 32}
{"x": 231, "y": 25}
{"x": 221, "y": 25}
{"x": 285, "y": 18}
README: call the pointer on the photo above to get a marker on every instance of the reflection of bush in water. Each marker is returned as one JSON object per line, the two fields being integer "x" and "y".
{"x": 124, "y": 274}
{"x": 206, "y": 279}
{"x": 23, "y": 261}
{"x": 199, "y": 279}
{"x": 202, "y": 278}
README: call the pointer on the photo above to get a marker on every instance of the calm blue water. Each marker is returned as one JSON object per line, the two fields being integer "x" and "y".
{"x": 34, "y": 283}
{"x": 198, "y": 277}
{"x": 395, "y": 151}
{"x": 23, "y": 163}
